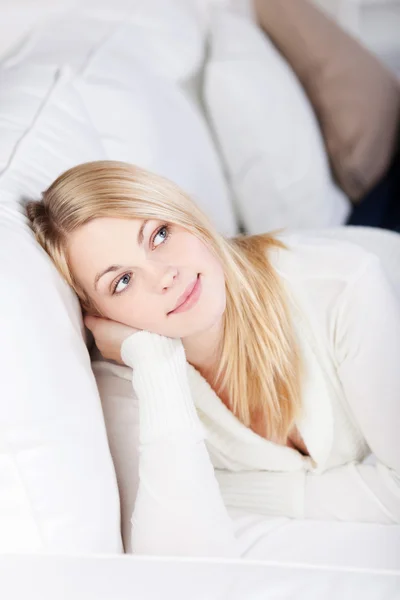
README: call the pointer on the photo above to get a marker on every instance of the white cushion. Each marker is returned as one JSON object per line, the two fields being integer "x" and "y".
{"x": 127, "y": 73}
{"x": 20, "y": 16}
{"x": 182, "y": 578}
{"x": 44, "y": 129}
{"x": 267, "y": 132}
{"x": 121, "y": 414}
{"x": 162, "y": 35}
{"x": 58, "y": 488}
{"x": 152, "y": 124}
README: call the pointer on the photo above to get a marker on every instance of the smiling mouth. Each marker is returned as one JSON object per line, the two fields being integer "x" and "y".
{"x": 190, "y": 300}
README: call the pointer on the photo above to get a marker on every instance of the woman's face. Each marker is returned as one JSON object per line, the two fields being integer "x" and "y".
{"x": 138, "y": 271}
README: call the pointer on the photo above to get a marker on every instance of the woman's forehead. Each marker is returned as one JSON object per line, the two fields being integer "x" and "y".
{"x": 103, "y": 239}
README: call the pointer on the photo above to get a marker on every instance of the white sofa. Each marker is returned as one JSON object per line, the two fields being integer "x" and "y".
{"x": 133, "y": 80}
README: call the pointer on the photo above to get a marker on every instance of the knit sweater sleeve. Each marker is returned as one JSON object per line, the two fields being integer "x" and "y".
{"x": 367, "y": 353}
{"x": 179, "y": 509}
{"x": 367, "y": 348}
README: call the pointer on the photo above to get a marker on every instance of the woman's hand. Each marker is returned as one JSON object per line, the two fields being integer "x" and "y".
{"x": 108, "y": 336}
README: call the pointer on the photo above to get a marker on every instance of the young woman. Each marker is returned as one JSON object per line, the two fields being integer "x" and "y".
{"x": 282, "y": 353}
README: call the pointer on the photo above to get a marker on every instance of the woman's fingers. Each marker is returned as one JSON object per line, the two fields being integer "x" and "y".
{"x": 108, "y": 335}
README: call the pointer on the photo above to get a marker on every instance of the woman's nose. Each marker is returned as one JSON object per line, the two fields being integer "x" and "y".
{"x": 162, "y": 278}
{"x": 168, "y": 278}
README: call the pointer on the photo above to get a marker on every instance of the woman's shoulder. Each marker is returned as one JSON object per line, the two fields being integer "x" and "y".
{"x": 309, "y": 256}
{"x": 316, "y": 272}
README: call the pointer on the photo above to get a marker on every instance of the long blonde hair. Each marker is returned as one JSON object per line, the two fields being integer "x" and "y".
{"x": 259, "y": 366}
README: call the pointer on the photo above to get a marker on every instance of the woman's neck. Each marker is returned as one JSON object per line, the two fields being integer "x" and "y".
{"x": 203, "y": 349}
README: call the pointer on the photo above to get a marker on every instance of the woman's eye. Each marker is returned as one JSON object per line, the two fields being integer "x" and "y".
{"x": 163, "y": 232}
{"x": 125, "y": 280}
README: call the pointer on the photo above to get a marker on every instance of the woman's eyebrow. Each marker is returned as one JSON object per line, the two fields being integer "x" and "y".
{"x": 140, "y": 234}
{"x": 140, "y": 238}
{"x": 108, "y": 270}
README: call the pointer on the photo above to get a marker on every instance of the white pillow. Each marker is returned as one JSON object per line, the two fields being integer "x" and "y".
{"x": 152, "y": 124}
{"x": 128, "y": 73}
{"x": 267, "y": 132}
{"x": 58, "y": 487}
{"x": 121, "y": 414}
{"x": 162, "y": 35}
{"x": 19, "y": 17}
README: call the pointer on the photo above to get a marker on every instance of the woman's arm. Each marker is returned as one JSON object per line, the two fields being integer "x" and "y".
{"x": 179, "y": 509}
{"x": 352, "y": 492}
{"x": 367, "y": 344}
{"x": 368, "y": 360}
{"x": 367, "y": 347}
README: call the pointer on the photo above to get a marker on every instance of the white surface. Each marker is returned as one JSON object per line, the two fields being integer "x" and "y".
{"x": 318, "y": 543}
{"x": 267, "y": 133}
{"x": 127, "y": 577}
{"x": 54, "y": 459}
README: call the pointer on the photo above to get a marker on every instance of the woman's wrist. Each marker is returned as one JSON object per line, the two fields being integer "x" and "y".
{"x": 147, "y": 346}
{"x": 161, "y": 384}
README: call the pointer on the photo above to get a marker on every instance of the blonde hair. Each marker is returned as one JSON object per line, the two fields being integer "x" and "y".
{"x": 259, "y": 366}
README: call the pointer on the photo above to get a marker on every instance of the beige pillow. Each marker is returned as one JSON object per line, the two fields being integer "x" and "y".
{"x": 356, "y": 99}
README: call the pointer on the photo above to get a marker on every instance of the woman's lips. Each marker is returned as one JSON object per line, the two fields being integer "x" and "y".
{"x": 191, "y": 299}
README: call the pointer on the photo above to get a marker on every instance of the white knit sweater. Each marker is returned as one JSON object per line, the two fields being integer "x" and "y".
{"x": 197, "y": 459}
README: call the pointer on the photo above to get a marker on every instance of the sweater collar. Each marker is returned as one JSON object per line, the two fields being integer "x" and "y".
{"x": 230, "y": 437}
{"x": 316, "y": 421}
{"x": 228, "y": 434}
